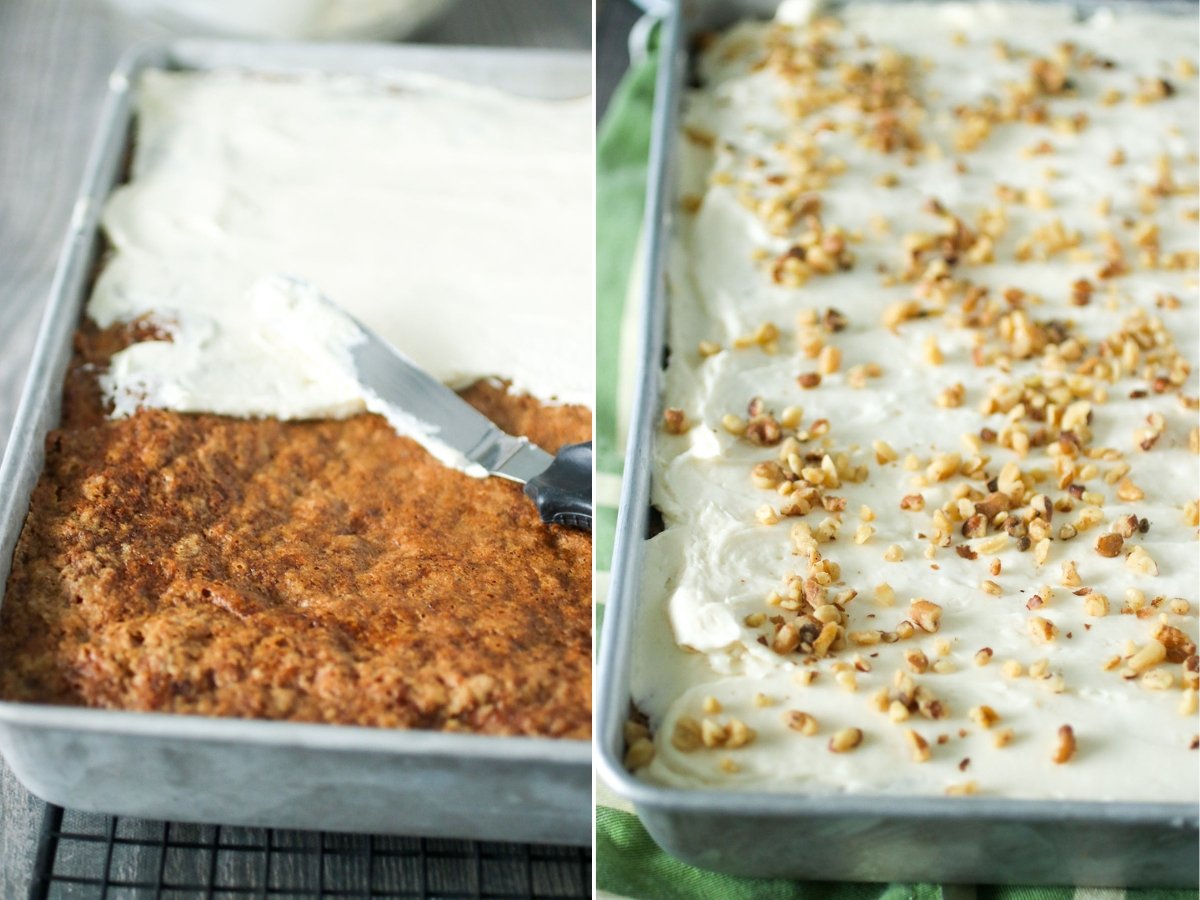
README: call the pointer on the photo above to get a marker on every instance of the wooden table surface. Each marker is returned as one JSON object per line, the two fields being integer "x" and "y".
{"x": 54, "y": 59}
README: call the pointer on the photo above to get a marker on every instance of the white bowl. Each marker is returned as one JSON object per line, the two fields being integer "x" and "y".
{"x": 289, "y": 19}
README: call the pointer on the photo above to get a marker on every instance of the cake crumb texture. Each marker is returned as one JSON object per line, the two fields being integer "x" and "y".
{"x": 325, "y": 571}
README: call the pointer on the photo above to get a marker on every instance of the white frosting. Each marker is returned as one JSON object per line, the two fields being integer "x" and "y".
{"x": 714, "y": 565}
{"x": 321, "y": 19}
{"x": 450, "y": 219}
{"x": 290, "y": 358}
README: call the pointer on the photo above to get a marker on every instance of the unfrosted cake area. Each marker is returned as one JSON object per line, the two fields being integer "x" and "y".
{"x": 452, "y": 219}
{"x": 928, "y": 461}
{"x": 220, "y": 529}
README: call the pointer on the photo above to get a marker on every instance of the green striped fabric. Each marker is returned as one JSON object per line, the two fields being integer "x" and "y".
{"x": 628, "y": 862}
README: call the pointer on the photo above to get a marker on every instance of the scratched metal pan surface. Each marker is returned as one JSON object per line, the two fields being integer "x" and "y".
{"x": 257, "y": 772}
{"x": 862, "y": 838}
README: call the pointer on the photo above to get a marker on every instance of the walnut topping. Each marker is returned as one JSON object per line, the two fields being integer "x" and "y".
{"x": 845, "y": 740}
{"x": 966, "y": 789}
{"x": 712, "y": 733}
{"x": 1095, "y": 604}
{"x": 1042, "y": 630}
{"x": 1178, "y": 646}
{"x": 1064, "y": 748}
{"x": 787, "y": 639}
{"x": 1188, "y": 702}
{"x": 884, "y": 594}
{"x": 825, "y": 639}
{"x": 1147, "y": 657}
{"x": 1140, "y": 561}
{"x": 834, "y": 321}
{"x": 1109, "y": 544}
{"x": 931, "y": 352}
{"x": 918, "y": 745}
{"x": 984, "y": 716}
{"x": 917, "y": 661}
{"x": 686, "y": 735}
{"x": 739, "y": 734}
{"x": 763, "y": 430}
{"x": 992, "y": 505}
{"x": 765, "y": 337}
{"x": 640, "y": 754}
{"x": 883, "y": 452}
{"x": 1129, "y": 492}
{"x": 633, "y": 730}
{"x": 801, "y": 722}
{"x": 735, "y": 425}
{"x": 925, "y": 614}
{"x": 830, "y": 360}
{"x": 674, "y": 421}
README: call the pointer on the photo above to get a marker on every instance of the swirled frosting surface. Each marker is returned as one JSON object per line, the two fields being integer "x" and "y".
{"x": 451, "y": 219}
{"x": 967, "y": 231}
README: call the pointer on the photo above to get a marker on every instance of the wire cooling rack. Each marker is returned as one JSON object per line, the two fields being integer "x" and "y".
{"x": 83, "y": 856}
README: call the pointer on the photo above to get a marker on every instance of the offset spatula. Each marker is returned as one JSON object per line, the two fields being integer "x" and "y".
{"x": 559, "y": 486}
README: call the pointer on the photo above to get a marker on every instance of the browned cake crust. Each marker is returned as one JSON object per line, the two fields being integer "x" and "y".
{"x": 319, "y": 571}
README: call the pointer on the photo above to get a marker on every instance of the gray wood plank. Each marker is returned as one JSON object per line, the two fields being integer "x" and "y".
{"x": 54, "y": 58}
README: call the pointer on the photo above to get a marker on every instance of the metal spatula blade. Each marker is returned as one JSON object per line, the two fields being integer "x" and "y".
{"x": 560, "y": 486}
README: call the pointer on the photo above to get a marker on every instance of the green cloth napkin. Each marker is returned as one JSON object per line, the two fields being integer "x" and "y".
{"x": 628, "y": 862}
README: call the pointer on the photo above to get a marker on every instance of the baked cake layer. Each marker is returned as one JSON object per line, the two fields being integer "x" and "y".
{"x": 325, "y": 571}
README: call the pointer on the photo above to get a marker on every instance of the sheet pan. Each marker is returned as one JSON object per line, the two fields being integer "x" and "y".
{"x": 257, "y": 772}
{"x": 865, "y": 838}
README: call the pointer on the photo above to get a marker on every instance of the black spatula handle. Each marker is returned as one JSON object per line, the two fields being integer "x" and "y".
{"x": 563, "y": 493}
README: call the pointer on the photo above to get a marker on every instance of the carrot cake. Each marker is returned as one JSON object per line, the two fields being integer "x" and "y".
{"x": 927, "y": 464}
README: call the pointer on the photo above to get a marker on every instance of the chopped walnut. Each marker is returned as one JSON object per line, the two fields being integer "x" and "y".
{"x": 1177, "y": 645}
{"x": 1064, "y": 748}
{"x": 984, "y": 716}
{"x": 1095, "y": 604}
{"x": 1109, "y": 544}
{"x": 845, "y": 740}
{"x": 925, "y": 614}
{"x": 1147, "y": 657}
{"x": 674, "y": 421}
{"x": 640, "y": 754}
{"x": 918, "y": 745}
{"x": 967, "y": 788}
{"x": 634, "y": 730}
{"x": 686, "y": 735}
{"x": 801, "y": 722}
{"x": 1042, "y": 630}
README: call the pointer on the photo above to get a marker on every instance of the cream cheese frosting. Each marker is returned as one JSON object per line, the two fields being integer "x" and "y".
{"x": 1031, "y": 334}
{"x": 290, "y": 357}
{"x": 451, "y": 219}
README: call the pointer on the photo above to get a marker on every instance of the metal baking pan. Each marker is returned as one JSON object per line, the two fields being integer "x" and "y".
{"x": 848, "y": 837}
{"x": 258, "y": 772}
